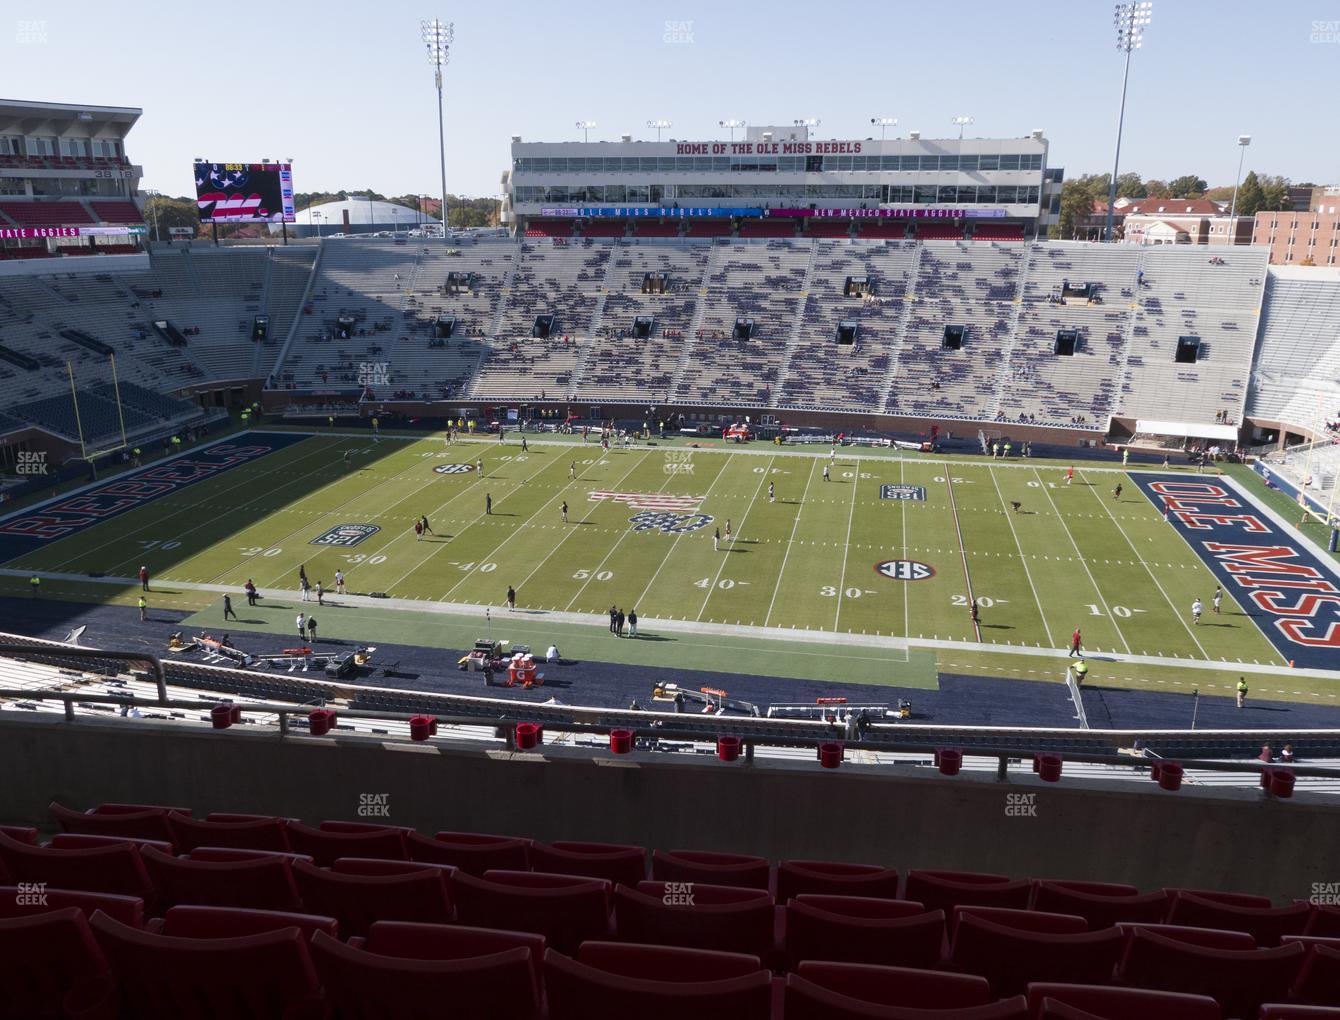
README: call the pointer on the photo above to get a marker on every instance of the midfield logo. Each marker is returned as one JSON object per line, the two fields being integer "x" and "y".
{"x": 346, "y": 535}
{"x": 905, "y": 570}
{"x": 668, "y": 523}
{"x": 915, "y": 493}
{"x": 453, "y": 469}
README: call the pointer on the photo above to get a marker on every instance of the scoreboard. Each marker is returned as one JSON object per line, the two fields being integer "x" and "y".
{"x": 244, "y": 192}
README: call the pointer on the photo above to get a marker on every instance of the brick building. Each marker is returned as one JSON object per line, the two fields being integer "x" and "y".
{"x": 1294, "y": 238}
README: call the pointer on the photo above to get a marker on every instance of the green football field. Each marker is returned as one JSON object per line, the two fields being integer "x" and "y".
{"x": 807, "y": 560}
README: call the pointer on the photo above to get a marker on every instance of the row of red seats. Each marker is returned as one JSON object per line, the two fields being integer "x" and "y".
{"x": 45, "y": 214}
{"x": 201, "y": 961}
{"x": 26, "y": 253}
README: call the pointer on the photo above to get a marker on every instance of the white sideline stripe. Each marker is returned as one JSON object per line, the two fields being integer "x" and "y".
{"x": 690, "y": 627}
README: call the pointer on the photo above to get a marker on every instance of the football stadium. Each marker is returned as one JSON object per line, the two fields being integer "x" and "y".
{"x": 756, "y": 574}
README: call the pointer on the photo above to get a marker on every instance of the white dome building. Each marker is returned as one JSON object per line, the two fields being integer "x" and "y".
{"x": 364, "y": 217}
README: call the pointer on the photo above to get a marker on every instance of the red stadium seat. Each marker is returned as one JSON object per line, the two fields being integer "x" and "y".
{"x": 381, "y": 866}
{"x": 1102, "y": 904}
{"x": 1319, "y": 978}
{"x": 1212, "y": 938}
{"x": 23, "y": 902}
{"x": 898, "y": 986}
{"x": 336, "y": 825}
{"x": 47, "y": 960}
{"x": 325, "y": 846}
{"x": 579, "y": 991}
{"x": 237, "y": 853}
{"x": 945, "y": 890}
{"x": 190, "y": 922}
{"x": 566, "y": 909}
{"x": 147, "y": 823}
{"x": 159, "y": 977}
{"x": 1233, "y": 899}
{"x": 806, "y": 1000}
{"x": 356, "y": 901}
{"x": 835, "y": 878}
{"x": 86, "y": 841}
{"x": 856, "y": 930}
{"x": 1025, "y": 920}
{"x": 1289, "y": 1011}
{"x": 643, "y": 961}
{"x": 1325, "y": 921}
{"x": 20, "y": 833}
{"x": 471, "y": 852}
{"x": 1109, "y": 1003}
{"x": 722, "y": 918}
{"x": 114, "y": 869}
{"x": 743, "y": 870}
{"x": 258, "y": 834}
{"x": 263, "y": 883}
{"x": 1239, "y": 979}
{"x": 622, "y": 865}
{"x": 454, "y": 942}
{"x": 1009, "y": 958}
{"x": 1265, "y": 924}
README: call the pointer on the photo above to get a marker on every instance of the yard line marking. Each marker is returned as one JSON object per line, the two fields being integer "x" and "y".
{"x": 438, "y": 546}
{"x": 156, "y": 522}
{"x": 1083, "y": 562}
{"x": 573, "y": 531}
{"x": 1186, "y": 626}
{"x": 907, "y": 601}
{"x": 846, "y": 546}
{"x": 674, "y": 543}
{"x": 777, "y": 585}
{"x": 752, "y": 501}
{"x": 963, "y": 555}
{"x": 1037, "y": 599}
{"x": 617, "y": 542}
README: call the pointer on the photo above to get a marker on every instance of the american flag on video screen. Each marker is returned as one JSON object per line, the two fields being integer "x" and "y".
{"x": 649, "y": 500}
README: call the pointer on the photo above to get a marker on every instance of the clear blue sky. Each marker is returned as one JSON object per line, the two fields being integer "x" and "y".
{"x": 345, "y": 89}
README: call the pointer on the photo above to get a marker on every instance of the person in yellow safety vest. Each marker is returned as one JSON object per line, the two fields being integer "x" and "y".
{"x": 1242, "y": 691}
{"x": 137, "y": 456}
{"x": 330, "y": 420}
{"x": 1008, "y": 447}
{"x": 1081, "y": 671}
{"x": 36, "y": 583}
{"x": 144, "y": 608}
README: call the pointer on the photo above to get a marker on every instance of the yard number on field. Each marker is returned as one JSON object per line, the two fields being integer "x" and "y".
{"x": 1120, "y": 611}
{"x": 257, "y": 550}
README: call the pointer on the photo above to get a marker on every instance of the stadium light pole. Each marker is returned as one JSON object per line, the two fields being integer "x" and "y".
{"x": 585, "y": 126}
{"x": 1130, "y": 21}
{"x": 153, "y": 205}
{"x": 731, "y": 125}
{"x": 659, "y": 125}
{"x": 884, "y": 123}
{"x": 437, "y": 37}
{"x": 806, "y": 122}
{"x": 1243, "y": 142}
{"x": 960, "y": 123}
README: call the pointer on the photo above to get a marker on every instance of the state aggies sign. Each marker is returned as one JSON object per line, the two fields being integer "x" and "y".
{"x": 1293, "y": 595}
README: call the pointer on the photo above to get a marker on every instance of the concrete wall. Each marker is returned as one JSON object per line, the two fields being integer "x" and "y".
{"x": 1122, "y": 832}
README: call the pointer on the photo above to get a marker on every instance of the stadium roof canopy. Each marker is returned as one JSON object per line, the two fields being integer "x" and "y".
{"x": 1193, "y": 430}
{"x": 363, "y": 212}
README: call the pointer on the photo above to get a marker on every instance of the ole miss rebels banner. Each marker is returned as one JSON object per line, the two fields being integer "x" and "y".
{"x": 1293, "y": 595}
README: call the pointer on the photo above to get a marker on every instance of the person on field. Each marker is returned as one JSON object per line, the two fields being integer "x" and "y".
{"x": 1075, "y": 642}
{"x": 1197, "y": 607}
{"x": 632, "y": 623}
{"x": 488, "y": 503}
{"x": 1081, "y": 671}
{"x": 144, "y": 578}
{"x": 1070, "y": 474}
{"x": 301, "y": 624}
{"x": 144, "y": 609}
{"x": 511, "y": 598}
{"x": 228, "y": 607}
{"x": 1218, "y": 598}
{"x": 250, "y": 589}
{"x": 418, "y": 531}
{"x": 772, "y": 493}
{"x": 339, "y": 582}
{"x": 311, "y": 629}
{"x": 427, "y": 528}
{"x": 1242, "y": 691}
{"x": 565, "y": 511}
{"x": 1116, "y": 493}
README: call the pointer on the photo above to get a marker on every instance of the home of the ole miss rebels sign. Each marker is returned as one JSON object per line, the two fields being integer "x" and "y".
{"x": 1293, "y": 595}
{"x": 767, "y": 148}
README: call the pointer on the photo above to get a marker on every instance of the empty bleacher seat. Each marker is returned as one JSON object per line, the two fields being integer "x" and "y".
{"x": 907, "y": 987}
{"x": 1265, "y": 923}
{"x": 146, "y": 822}
{"x": 325, "y": 846}
{"x": 200, "y": 922}
{"x": 1100, "y": 903}
{"x": 17, "y": 901}
{"x": 471, "y": 852}
{"x": 48, "y": 963}
{"x": 725, "y": 918}
{"x": 415, "y": 941}
{"x": 808, "y": 1000}
{"x": 114, "y": 869}
{"x": 743, "y": 870}
{"x": 859, "y": 930}
{"x": 617, "y": 863}
{"x": 249, "y": 834}
{"x": 1110, "y": 1003}
{"x": 264, "y": 882}
{"x": 1059, "y": 949}
{"x": 567, "y": 910}
{"x": 357, "y": 900}
{"x": 835, "y": 878}
{"x": 945, "y": 890}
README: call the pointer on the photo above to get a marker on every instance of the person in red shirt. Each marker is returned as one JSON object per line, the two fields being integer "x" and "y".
{"x": 144, "y": 578}
{"x": 1075, "y": 642}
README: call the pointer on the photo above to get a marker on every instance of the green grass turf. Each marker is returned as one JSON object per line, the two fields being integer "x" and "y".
{"x": 1074, "y": 557}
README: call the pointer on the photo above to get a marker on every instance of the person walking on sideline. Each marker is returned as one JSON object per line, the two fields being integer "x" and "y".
{"x": 1081, "y": 672}
{"x": 35, "y": 584}
{"x": 565, "y": 511}
{"x": 1218, "y": 598}
{"x": 524, "y": 447}
{"x": 618, "y": 623}
{"x": 305, "y": 587}
{"x": 727, "y": 529}
{"x": 1075, "y": 642}
{"x": 228, "y": 607}
{"x": 488, "y": 503}
{"x": 1015, "y": 505}
{"x": 1070, "y": 474}
{"x": 311, "y": 629}
{"x": 716, "y": 541}
{"x": 1116, "y": 493}
{"x": 479, "y": 467}
{"x": 427, "y": 528}
{"x": 1242, "y": 691}
{"x": 614, "y": 615}
{"x": 144, "y": 609}
{"x": 302, "y": 627}
{"x": 339, "y": 582}
{"x": 250, "y": 589}
{"x": 572, "y": 471}
{"x": 825, "y": 472}
{"x": 320, "y": 594}
{"x": 772, "y": 493}
{"x": 632, "y": 623}
{"x": 1197, "y": 607}
{"x": 511, "y": 598}
{"x": 418, "y": 531}
{"x": 976, "y": 615}
{"x": 144, "y": 578}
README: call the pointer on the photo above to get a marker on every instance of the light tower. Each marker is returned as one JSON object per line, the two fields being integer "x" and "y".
{"x": 585, "y": 126}
{"x": 1130, "y": 20}
{"x": 437, "y": 37}
{"x": 659, "y": 125}
{"x": 884, "y": 123}
{"x": 1243, "y": 142}
{"x": 731, "y": 125}
{"x": 960, "y": 123}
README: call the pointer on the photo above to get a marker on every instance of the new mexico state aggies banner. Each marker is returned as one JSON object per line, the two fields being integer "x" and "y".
{"x": 1293, "y": 595}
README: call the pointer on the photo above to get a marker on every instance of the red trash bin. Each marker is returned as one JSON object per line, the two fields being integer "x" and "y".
{"x": 621, "y": 741}
{"x": 1281, "y": 782}
{"x": 527, "y": 735}
{"x": 1170, "y": 775}
{"x": 950, "y": 760}
{"x": 221, "y": 716}
{"x": 1049, "y": 767}
{"x": 728, "y": 748}
{"x": 830, "y": 754}
{"x": 320, "y": 721}
{"x": 420, "y": 727}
